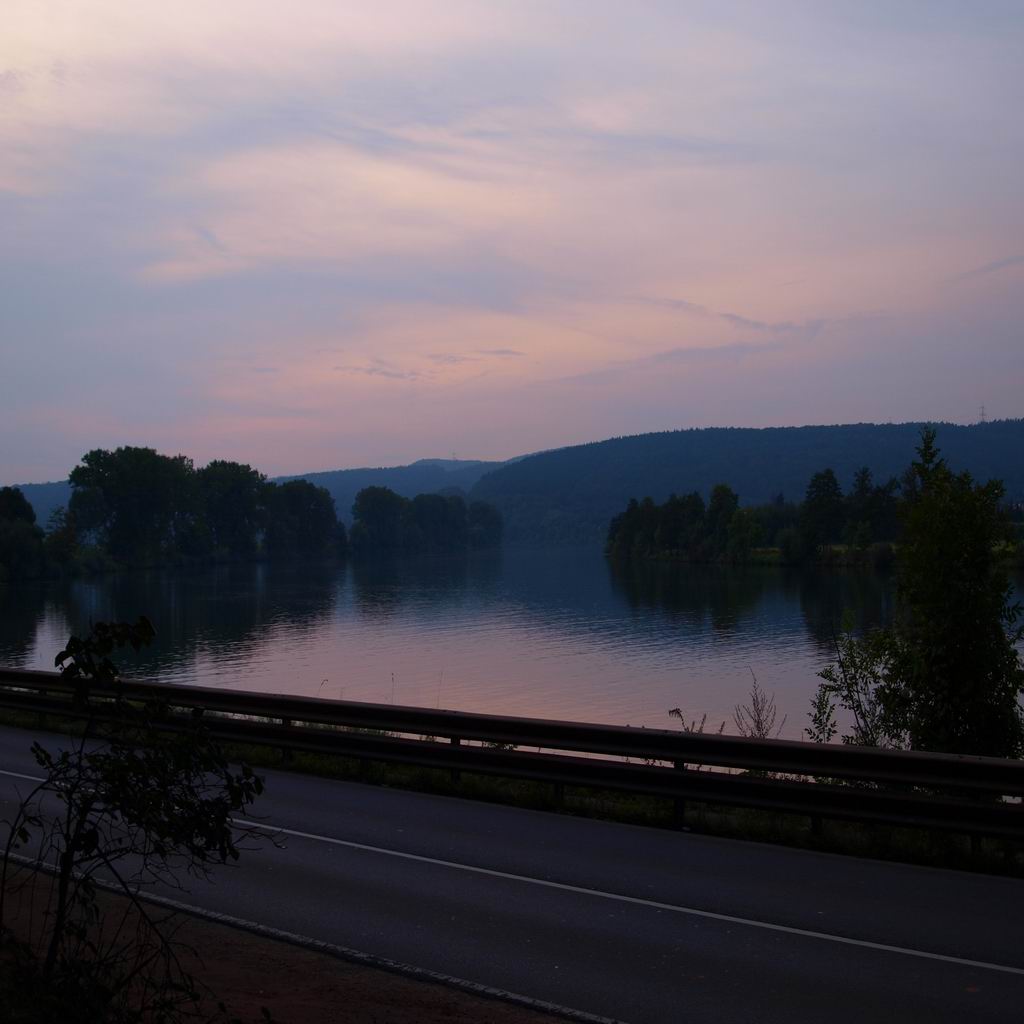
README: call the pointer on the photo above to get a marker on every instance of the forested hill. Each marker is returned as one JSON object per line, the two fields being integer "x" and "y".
{"x": 570, "y": 494}
{"x": 46, "y": 498}
{"x": 428, "y": 476}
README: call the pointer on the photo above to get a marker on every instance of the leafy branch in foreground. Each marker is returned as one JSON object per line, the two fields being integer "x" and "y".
{"x": 142, "y": 798}
{"x": 857, "y": 682}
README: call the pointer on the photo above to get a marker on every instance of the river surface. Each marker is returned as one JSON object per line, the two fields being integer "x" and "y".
{"x": 546, "y": 633}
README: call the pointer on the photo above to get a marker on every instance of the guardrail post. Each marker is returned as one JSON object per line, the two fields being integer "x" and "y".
{"x": 456, "y": 774}
{"x": 679, "y": 803}
{"x": 559, "y": 794}
{"x": 286, "y": 752}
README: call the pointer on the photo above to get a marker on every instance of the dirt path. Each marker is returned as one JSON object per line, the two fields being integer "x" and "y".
{"x": 298, "y": 986}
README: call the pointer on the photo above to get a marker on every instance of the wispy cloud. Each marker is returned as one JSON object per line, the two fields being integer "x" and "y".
{"x": 449, "y": 358}
{"x": 698, "y": 355}
{"x": 989, "y": 268}
{"x": 380, "y": 371}
{"x": 806, "y": 328}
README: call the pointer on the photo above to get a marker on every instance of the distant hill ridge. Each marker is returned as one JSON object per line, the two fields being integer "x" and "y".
{"x": 570, "y": 494}
{"x": 427, "y": 476}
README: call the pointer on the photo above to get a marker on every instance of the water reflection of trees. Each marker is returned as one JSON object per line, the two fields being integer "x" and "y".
{"x": 831, "y": 599}
{"x": 723, "y": 596}
{"x": 22, "y": 608}
{"x": 224, "y": 612}
{"x": 383, "y": 585}
{"x": 694, "y": 594}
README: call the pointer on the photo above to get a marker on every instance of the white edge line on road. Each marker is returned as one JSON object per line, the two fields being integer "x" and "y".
{"x": 18, "y": 775}
{"x": 356, "y": 956}
{"x": 600, "y": 894}
{"x": 639, "y": 901}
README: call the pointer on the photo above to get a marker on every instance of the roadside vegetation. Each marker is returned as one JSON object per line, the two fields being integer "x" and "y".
{"x": 133, "y": 802}
{"x": 948, "y": 674}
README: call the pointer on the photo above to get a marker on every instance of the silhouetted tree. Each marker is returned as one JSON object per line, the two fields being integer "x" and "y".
{"x": 377, "y": 513}
{"x": 61, "y": 542}
{"x": 386, "y": 522}
{"x": 300, "y": 520}
{"x": 871, "y": 511}
{"x": 21, "y": 541}
{"x": 959, "y": 673}
{"x": 821, "y": 517}
{"x": 141, "y": 506}
{"x": 233, "y": 512}
{"x": 435, "y": 523}
{"x": 15, "y": 507}
{"x": 722, "y": 506}
{"x": 743, "y": 535}
{"x": 947, "y": 675}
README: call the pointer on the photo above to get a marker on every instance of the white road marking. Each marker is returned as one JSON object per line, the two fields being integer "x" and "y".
{"x": 18, "y": 775}
{"x": 639, "y": 901}
{"x": 618, "y": 897}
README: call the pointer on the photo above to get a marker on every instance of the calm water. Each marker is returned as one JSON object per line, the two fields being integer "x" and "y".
{"x": 555, "y": 634}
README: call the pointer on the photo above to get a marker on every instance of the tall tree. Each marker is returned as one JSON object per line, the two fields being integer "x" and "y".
{"x": 300, "y": 520}
{"x": 436, "y": 522}
{"x": 378, "y": 514}
{"x": 231, "y": 495}
{"x": 139, "y": 504}
{"x": 21, "y": 541}
{"x": 821, "y": 518}
{"x": 722, "y": 507}
{"x": 15, "y": 507}
{"x": 681, "y": 525}
{"x": 959, "y": 671}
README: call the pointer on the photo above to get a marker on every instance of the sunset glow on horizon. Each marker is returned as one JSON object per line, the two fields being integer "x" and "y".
{"x": 332, "y": 234}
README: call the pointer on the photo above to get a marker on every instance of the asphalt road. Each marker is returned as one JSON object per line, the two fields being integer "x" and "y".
{"x": 639, "y": 925}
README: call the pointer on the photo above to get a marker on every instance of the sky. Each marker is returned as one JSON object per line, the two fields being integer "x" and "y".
{"x": 326, "y": 234}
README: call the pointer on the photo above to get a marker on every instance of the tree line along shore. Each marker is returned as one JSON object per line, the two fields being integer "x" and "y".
{"x": 862, "y": 527}
{"x": 136, "y": 508}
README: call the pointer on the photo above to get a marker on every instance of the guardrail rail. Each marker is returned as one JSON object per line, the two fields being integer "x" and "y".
{"x": 978, "y": 796}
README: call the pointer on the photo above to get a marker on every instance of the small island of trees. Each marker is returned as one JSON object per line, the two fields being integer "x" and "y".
{"x": 385, "y": 522}
{"x": 136, "y": 508}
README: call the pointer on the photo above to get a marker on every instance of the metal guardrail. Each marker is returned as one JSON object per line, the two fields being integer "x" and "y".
{"x": 973, "y": 795}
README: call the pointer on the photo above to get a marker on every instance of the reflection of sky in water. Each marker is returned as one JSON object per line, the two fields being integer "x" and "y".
{"x": 554, "y": 634}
